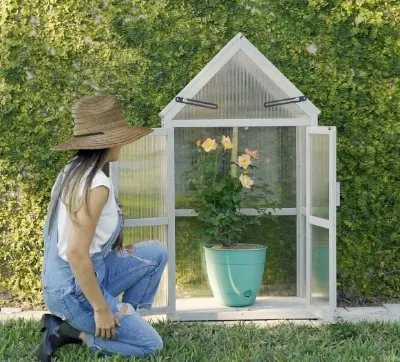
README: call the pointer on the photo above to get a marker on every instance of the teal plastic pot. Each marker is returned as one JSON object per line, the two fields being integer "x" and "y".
{"x": 235, "y": 275}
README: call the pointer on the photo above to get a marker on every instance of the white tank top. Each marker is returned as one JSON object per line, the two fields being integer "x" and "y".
{"x": 107, "y": 222}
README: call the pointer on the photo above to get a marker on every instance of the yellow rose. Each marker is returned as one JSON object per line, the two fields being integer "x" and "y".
{"x": 246, "y": 181}
{"x": 209, "y": 144}
{"x": 226, "y": 142}
{"x": 198, "y": 143}
{"x": 252, "y": 154}
{"x": 244, "y": 161}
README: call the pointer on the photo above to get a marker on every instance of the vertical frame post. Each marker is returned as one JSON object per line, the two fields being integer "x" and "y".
{"x": 308, "y": 227}
{"x": 300, "y": 191}
{"x": 332, "y": 219}
{"x": 171, "y": 295}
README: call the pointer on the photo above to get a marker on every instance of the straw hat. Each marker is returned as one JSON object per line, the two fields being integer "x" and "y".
{"x": 99, "y": 122}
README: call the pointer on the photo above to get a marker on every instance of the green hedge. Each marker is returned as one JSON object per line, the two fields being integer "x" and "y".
{"x": 145, "y": 51}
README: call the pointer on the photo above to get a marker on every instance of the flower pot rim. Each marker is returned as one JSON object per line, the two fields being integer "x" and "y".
{"x": 230, "y": 249}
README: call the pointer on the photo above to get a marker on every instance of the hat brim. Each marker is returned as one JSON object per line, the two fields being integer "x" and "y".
{"x": 116, "y": 137}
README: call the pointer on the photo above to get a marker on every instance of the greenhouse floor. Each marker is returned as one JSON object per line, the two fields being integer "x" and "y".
{"x": 264, "y": 308}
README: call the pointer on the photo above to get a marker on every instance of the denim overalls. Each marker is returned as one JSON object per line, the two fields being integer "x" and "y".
{"x": 135, "y": 273}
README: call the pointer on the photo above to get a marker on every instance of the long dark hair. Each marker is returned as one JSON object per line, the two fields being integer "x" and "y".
{"x": 72, "y": 175}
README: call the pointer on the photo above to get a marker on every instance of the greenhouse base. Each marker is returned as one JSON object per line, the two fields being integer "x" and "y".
{"x": 264, "y": 308}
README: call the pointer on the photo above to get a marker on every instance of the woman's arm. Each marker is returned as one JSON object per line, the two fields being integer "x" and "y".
{"x": 80, "y": 239}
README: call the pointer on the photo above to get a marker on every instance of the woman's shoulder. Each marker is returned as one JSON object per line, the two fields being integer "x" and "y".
{"x": 100, "y": 178}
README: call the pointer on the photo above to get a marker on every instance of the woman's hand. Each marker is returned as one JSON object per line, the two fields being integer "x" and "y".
{"x": 105, "y": 323}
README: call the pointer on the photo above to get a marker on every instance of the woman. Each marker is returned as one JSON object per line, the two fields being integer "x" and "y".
{"x": 86, "y": 267}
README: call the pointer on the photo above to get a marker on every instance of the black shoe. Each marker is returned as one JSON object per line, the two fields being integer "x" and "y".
{"x": 51, "y": 338}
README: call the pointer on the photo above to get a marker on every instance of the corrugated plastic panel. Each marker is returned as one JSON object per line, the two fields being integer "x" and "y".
{"x": 240, "y": 89}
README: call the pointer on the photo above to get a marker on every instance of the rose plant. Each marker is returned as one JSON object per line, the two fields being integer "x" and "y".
{"x": 218, "y": 191}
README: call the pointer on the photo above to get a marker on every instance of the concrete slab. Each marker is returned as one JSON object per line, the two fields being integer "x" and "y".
{"x": 367, "y": 310}
{"x": 368, "y": 314}
{"x": 9, "y": 310}
{"x": 386, "y": 313}
{"x": 373, "y": 318}
{"x": 35, "y": 315}
{"x": 393, "y": 308}
{"x": 341, "y": 311}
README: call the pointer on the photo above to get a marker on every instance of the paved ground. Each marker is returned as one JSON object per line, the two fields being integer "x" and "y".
{"x": 386, "y": 313}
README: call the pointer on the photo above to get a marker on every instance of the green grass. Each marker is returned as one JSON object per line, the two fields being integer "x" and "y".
{"x": 216, "y": 342}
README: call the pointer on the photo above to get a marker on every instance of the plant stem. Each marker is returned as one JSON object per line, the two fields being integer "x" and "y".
{"x": 215, "y": 170}
{"x": 234, "y": 154}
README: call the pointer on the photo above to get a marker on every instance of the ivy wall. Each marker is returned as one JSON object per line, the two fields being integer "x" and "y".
{"x": 343, "y": 54}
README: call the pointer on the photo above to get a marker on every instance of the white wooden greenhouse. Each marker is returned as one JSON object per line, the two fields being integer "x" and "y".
{"x": 241, "y": 94}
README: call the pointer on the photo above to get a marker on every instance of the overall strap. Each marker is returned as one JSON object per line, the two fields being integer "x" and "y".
{"x": 54, "y": 202}
{"x": 51, "y": 234}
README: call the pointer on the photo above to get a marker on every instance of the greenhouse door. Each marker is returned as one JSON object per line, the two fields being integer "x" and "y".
{"x": 321, "y": 221}
{"x": 142, "y": 181}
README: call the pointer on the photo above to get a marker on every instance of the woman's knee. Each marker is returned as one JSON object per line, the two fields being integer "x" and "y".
{"x": 153, "y": 250}
{"x": 139, "y": 333}
{"x": 159, "y": 249}
{"x": 163, "y": 252}
{"x": 156, "y": 345}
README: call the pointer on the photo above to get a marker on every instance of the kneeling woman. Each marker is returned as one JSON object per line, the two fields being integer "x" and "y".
{"x": 86, "y": 267}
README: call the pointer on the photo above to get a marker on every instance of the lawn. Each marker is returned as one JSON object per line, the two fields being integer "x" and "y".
{"x": 215, "y": 342}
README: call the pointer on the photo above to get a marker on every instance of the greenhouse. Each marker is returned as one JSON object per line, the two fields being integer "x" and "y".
{"x": 239, "y": 94}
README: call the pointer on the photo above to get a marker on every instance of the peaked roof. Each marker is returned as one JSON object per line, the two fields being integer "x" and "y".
{"x": 239, "y": 79}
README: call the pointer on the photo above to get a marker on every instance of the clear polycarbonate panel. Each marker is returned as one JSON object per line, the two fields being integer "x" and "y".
{"x": 319, "y": 265}
{"x": 277, "y": 232}
{"x": 240, "y": 89}
{"x": 133, "y": 235}
{"x": 280, "y": 270}
{"x": 185, "y": 157}
{"x": 190, "y": 271}
{"x": 302, "y": 165}
{"x": 319, "y": 158}
{"x": 275, "y": 173}
{"x": 143, "y": 178}
{"x": 274, "y": 177}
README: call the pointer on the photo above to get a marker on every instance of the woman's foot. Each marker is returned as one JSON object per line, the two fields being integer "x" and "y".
{"x": 52, "y": 338}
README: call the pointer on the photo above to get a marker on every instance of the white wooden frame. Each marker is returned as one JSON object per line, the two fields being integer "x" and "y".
{"x": 271, "y": 122}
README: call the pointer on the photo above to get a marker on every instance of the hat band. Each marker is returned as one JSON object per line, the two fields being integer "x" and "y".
{"x": 89, "y": 134}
